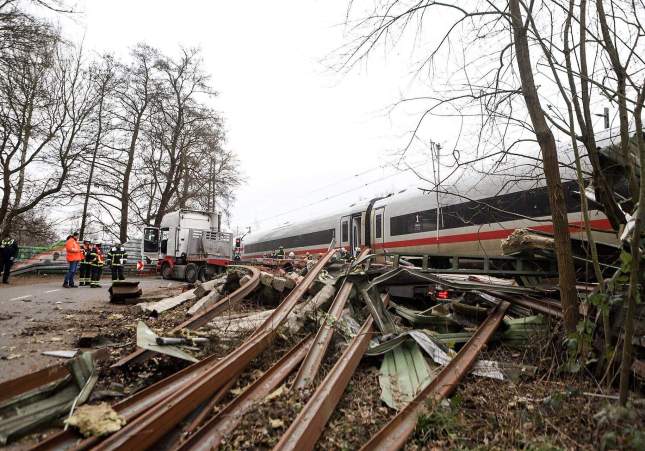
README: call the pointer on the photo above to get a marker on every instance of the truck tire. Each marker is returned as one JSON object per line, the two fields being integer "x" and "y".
{"x": 166, "y": 271}
{"x": 191, "y": 273}
{"x": 202, "y": 274}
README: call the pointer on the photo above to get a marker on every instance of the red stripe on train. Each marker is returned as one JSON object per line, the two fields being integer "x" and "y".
{"x": 488, "y": 235}
{"x": 602, "y": 224}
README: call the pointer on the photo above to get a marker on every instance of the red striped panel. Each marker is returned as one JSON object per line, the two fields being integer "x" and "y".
{"x": 602, "y": 224}
{"x": 487, "y": 235}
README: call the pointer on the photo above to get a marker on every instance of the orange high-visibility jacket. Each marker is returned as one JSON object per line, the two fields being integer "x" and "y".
{"x": 73, "y": 249}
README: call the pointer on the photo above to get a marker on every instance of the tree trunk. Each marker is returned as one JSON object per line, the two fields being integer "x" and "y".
{"x": 604, "y": 193}
{"x": 635, "y": 276}
{"x": 125, "y": 194}
{"x": 547, "y": 144}
{"x": 621, "y": 91}
{"x": 88, "y": 188}
{"x": 25, "y": 147}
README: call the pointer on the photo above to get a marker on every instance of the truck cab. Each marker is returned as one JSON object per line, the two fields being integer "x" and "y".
{"x": 188, "y": 245}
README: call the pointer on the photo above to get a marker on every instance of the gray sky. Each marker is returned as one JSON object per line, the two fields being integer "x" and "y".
{"x": 301, "y": 130}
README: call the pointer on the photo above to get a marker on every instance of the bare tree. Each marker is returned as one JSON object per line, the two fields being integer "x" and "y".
{"x": 103, "y": 76}
{"x": 176, "y": 126}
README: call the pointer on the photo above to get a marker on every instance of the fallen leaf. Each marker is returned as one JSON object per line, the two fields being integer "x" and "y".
{"x": 276, "y": 423}
{"x": 275, "y": 393}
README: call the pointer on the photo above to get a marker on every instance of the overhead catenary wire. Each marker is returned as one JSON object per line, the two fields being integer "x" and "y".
{"x": 356, "y": 188}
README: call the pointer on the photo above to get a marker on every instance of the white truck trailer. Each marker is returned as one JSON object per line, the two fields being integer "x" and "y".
{"x": 189, "y": 245}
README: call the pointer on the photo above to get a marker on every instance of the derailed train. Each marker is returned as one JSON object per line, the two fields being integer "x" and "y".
{"x": 415, "y": 223}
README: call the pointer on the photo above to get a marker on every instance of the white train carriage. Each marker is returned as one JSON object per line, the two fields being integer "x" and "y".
{"x": 414, "y": 223}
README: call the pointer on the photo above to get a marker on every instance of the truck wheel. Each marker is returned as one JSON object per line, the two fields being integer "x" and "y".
{"x": 191, "y": 273}
{"x": 166, "y": 271}
{"x": 202, "y": 274}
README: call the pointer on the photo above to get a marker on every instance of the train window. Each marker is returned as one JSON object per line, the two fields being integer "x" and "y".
{"x": 344, "y": 233}
{"x": 321, "y": 237}
{"x": 379, "y": 226}
{"x": 420, "y": 221}
{"x": 506, "y": 207}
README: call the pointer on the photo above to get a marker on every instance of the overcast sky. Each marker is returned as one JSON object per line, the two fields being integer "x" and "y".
{"x": 301, "y": 129}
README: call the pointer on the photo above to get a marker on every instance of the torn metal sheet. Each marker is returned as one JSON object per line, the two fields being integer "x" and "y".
{"x": 521, "y": 331}
{"x": 442, "y": 355}
{"x": 439, "y": 352}
{"x": 147, "y": 339}
{"x": 37, "y": 407}
{"x": 403, "y": 374}
{"x": 375, "y": 305}
{"x": 422, "y": 318}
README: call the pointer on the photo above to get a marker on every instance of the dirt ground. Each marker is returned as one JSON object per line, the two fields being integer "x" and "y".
{"x": 37, "y": 314}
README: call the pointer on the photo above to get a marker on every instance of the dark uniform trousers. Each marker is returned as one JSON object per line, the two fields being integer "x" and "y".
{"x": 97, "y": 272}
{"x": 8, "y": 251}
{"x": 85, "y": 267}
{"x": 117, "y": 272}
{"x": 116, "y": 259}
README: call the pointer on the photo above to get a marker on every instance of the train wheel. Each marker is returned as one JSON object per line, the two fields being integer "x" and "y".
{"x": 166, "y": 270}
{"x": 191, "y": 273}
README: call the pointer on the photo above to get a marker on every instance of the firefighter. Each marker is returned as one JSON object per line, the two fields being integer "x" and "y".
{"x": 116, "y": 259}
{"x": 8, "y": 254}
{"x": 97, "y": 266}
{"x": 280, "y": 252}
{"x": 85, "y": 266}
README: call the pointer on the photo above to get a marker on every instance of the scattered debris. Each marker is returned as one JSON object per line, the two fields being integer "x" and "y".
{"x": 96, "y": 420}
{"x": 523, "y": 240}
{"x": 124, "y": 292}
{"x": 62, "y": 354}
{"x": 249, "y": 387}
{"x": 148, "y": 340}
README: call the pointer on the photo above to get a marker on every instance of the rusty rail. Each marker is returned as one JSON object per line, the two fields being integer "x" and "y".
{"x": 22, "y": 384}
{"x": 540, "y": 306}
{"x": 199, "y": 320}
{"x": 30, "y": 381}
{"x": 133, "y": 406}
{"x": 311, "y": 364}
{"x": 213, "y": 432}
{"x": 146, "y": 430}
{"x": 395, "y": 433}
{"x": 282, "y": 311}
{"x": 310, "y": 422}
{"x": 207, "y": 410}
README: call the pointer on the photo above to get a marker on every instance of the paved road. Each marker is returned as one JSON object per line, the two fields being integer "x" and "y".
{"x": 34, "y": 303}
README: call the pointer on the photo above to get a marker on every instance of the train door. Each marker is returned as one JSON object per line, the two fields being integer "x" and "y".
{"x": 344, "y": 232}
{"x": 378, "y": 231}
{"x": 355, "y": 237}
